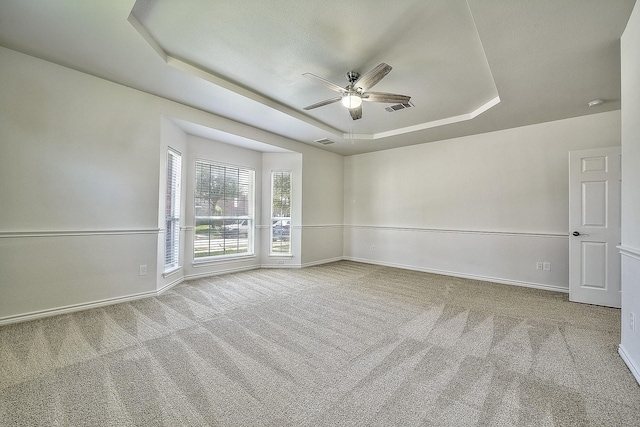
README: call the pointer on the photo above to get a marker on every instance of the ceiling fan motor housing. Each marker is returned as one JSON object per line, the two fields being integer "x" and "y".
{"x": 353, "y": 76}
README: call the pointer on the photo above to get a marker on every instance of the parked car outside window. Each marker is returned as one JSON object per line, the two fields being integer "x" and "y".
{"x": 236, "y": 229}
{"x": 281, "y": 229}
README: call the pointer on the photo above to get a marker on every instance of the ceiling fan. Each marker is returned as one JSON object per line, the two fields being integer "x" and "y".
{"x": 357, "y": 90}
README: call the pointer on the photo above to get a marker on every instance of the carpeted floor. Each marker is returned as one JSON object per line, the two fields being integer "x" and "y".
{"x": 344, "y": 344}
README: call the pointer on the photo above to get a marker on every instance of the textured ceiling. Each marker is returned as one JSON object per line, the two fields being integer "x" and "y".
{"x": 470, "y": 66}
{"x": 436, "y": 53}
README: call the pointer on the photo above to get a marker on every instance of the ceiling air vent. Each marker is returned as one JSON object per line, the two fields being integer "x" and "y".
{"x": 399, "y": 107}
{"x": 324, "y": 141}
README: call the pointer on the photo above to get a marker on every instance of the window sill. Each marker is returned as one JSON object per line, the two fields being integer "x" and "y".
{"x": 171, "y": 271}
{"x": 288, "y": 256}
{"x": 222, "y": 259}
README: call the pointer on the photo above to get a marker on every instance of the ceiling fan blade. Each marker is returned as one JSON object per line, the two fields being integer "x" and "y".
{"x": 325, "y": 82}
{"x": 323, "y": 103}
{"x": 370, "y": 79}
{"x": 356, "y": 113}
{"x": 385, "y": 97}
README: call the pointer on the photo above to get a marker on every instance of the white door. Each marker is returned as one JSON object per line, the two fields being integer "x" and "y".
{"x": 594, "y": 221}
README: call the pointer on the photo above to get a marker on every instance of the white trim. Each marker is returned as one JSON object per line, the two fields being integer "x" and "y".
{"x": 464, "y": 275}
{"x": 147, "y": 37}
{"x": 220, "y": 272}
{"x": 459, "y": 231}
{"x": 207, "y": 76}
{"x": 172, "y": 271}
{"x": 221, "y": 259}
{"x": 300, "y": 227}
{"x": 170, "y": 285}
{"x": 630, "y": 252}
{"x": 87, "y": 306}
{"x": 629, "y": 362}
{"x": 72, "y": 308}
{"x": 428, "y": 125}
{"x": 310, "y": 226}
{"x": 274, "y": 266}
{"x": 322, "y": 261}
{"x": 65, "y": 233}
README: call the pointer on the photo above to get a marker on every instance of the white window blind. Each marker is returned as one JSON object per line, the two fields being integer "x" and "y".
{"x": 280, "y": 213}
{"x": 172, "y": 210}
{"x": 224, "y": 207}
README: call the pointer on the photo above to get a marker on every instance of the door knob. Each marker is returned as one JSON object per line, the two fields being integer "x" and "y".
{"x": 577, "y": 233}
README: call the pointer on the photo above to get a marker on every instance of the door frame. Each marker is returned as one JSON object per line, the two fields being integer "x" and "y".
{"x": 599, "y": 239}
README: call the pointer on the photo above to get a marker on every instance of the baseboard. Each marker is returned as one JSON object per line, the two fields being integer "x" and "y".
{"x": 629, "y": 362}
{"x": 220, "y": 272}
{"x": 322, "y": 261}
{"x": 305, "y": 265}
{"x": 110, "y": 301}
{"x": 464, "y": 275}
{"x": 101, "y": 303}
{"x": 73, "y": 308}
{"x": 280, "y": 266}
{"x": 168, "y": 286}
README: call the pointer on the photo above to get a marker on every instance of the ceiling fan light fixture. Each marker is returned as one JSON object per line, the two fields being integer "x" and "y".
{"x": 357, "y": 91}
{"x": 351, "y": 100}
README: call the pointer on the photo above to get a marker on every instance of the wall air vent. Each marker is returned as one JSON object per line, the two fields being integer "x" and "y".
{"x": 324, "y": 141}
{"x": 398, "y": 107}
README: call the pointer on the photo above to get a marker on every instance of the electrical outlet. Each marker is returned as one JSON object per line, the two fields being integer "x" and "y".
{"x": 632, "y": 322}
{"x": 143, "y": 270}
{"x": 373, "y": 248}
{"x": 546, "y": 266}
{"x": 538, "y": 266}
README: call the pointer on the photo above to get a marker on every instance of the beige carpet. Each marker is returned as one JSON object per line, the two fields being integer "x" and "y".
{"x": 343, "y": 344}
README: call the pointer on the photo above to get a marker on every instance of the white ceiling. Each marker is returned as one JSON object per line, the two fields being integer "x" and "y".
{"x": 470, "y": 66}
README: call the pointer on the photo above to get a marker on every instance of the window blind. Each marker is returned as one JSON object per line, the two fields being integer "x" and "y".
{"x": 224, "y": 202}
{"x": 172, "y": 210}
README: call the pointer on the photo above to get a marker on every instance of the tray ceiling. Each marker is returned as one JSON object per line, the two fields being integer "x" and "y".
{"x": 470, "y": 66}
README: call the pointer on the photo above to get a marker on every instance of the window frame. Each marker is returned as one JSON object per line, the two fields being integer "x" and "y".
{"x": 249, "y": 218}
{"x": 172, "y": 209}
{"x": 274, "y": 219}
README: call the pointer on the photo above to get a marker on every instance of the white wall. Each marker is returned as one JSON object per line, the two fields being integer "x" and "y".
{"x": 322, "y": 208}
{"x": 485, "y": 206}
{"x": 79, "y": 165}
{"x": 82, "y": 167}
{"x": 630, "y": 249}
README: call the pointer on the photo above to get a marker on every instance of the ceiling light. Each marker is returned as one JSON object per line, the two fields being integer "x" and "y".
{"x": 593, "y": 103}
{"x": 351, "y": 100}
